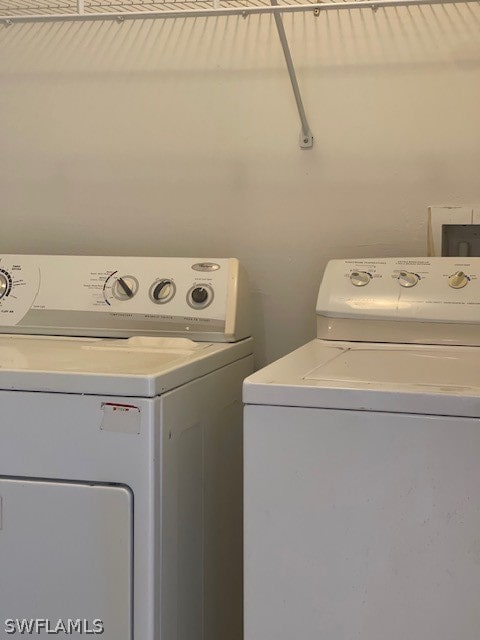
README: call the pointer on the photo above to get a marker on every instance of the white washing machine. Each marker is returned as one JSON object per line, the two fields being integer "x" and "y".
{"x": 362, "y": 462}
{"x": 121, "y": 446}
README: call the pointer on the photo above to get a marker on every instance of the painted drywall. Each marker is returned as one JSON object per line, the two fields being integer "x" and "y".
{"x": 180, "y": 137}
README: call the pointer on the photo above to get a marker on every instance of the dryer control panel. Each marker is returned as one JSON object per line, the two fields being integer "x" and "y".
{"x": 440, "y": 294}
{"x": 203, "y": 299}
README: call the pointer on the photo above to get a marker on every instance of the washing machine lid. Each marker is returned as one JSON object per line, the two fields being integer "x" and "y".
{"x": 136, "y": 367}
{"x": 434, "y": 380}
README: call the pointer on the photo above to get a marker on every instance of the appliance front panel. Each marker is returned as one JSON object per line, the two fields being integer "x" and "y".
{"x": 81, "y": 448}
{"x": 66, "y": 559}
{"x": 361, "y": 525}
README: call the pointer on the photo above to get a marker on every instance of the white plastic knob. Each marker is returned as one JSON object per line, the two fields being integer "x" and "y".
{"x": 407, "y": 279}
{"x": 458, "y": 280}
{"x": 360, "y": 278}
{"x": 162, "y": 291}
{"x": 125, "y": 287}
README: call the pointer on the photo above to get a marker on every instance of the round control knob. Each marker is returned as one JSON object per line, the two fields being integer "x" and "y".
{"x": 458, "y": 280}
{"x": 407, "y": 279}
{"x": 360, "y": 278}
{"x": 125, "y": 287}
{"x": 162, "y": 291}
{"x": 3, "y": 285}
{"x": 200, "y": 296}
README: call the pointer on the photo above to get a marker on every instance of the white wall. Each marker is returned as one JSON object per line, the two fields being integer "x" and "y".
{"x": 180, "y": 137}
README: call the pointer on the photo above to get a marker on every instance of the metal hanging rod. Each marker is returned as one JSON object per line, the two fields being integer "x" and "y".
{"x": 306, "y": 137}
{"x": 87, "y": 14}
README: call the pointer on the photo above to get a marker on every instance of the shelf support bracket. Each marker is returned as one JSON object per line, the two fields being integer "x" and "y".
{"x": 306, "y": 137}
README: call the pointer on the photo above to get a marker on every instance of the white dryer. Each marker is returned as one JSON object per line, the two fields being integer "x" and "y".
{"x": 121, "y": 446}
{"x": 362, "y": 462}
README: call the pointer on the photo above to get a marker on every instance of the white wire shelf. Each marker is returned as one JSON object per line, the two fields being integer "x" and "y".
{"x": 20, "y": 11}
{"x": 12, "y": 11}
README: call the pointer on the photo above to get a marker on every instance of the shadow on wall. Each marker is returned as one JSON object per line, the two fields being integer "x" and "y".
{"x": 335, "y": 41}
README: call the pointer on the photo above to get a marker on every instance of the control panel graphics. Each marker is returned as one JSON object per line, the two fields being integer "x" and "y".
{"x": 438, "y": 297}
{"x": 122, "y": 296}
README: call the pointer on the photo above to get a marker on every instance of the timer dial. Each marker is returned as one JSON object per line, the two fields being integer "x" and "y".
{"x": 19, "y": 285}
{"x": 5, "y": 283}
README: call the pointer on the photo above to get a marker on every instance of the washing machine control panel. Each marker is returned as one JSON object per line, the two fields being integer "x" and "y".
{"x": 442, "y": 290}
{"x": 121, "y": 296}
